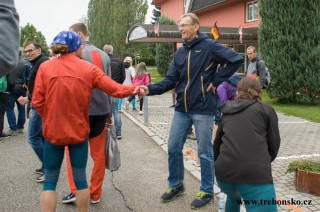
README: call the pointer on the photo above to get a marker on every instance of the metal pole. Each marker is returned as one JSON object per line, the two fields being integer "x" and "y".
{"x": 145, "y": 110}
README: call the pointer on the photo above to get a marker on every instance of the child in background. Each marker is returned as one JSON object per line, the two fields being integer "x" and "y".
{"x": 227, "y": 90}
{"x": 142, "y": 78}
{"x": 130, "y": 74}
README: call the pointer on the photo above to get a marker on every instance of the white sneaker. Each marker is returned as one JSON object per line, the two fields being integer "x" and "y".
{"x": 140, "y": 112}
{"x": 95, "y": 201}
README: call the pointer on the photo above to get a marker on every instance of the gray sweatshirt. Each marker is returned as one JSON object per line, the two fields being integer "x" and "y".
{"x": 9, "y": 37}
{"x": 100, "y": 102}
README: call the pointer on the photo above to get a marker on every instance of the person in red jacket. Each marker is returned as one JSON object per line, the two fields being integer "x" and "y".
{"x": 61, "y": 96}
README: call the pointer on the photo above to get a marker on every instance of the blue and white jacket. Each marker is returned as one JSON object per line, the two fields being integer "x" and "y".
{"x": 193, "y": 69}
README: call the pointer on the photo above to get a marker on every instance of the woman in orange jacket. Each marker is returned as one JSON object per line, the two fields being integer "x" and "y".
{"x": 61, "y": 96}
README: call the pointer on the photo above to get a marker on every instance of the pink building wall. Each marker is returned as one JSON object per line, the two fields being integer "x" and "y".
{"x": 229, "y": 15}
{"x": 173, "y": 9}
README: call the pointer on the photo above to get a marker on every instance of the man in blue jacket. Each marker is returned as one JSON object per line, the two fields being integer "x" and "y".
{"x": 193, "y": 74}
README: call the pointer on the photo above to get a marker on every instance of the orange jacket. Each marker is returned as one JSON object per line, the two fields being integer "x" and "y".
{"x": 62, "y": 94}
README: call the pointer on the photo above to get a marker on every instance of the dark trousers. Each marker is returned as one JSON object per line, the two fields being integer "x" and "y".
{"x": 15, "y": 93}
{"x": 3, "y": 103}
{"x": 141, "y": 101}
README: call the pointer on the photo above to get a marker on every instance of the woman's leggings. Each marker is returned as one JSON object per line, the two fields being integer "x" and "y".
{"x": 53, "y": 157}
{"x": 141, "y": 101}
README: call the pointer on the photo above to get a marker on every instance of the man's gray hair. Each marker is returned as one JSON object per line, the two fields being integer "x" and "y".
{"x": 108, "y": 49}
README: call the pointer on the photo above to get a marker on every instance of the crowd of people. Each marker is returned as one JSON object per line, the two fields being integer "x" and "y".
{"x": 83, "y": 87}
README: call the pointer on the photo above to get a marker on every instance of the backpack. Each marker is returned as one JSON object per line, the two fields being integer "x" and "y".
{"x": 11, "y": 78}
{"x": 233, "y": 80}
{"x": 3, "y": 83}
{"x": 268, "y": 76}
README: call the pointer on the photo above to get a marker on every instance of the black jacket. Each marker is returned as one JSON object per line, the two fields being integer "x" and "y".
{"x": 16, "y": 75}
{"x": 246, "y": 143}
{"x": 118, "y": 73}
{"x": 33, "y": 72}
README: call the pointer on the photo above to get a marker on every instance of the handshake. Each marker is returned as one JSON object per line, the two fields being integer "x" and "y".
{"x": 142, "y": 91}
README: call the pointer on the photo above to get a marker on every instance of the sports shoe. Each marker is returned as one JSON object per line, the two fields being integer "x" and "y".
{"x": 127, "y": 105}
{"x": 12, "y": 132}
{"x": 20, "y": 130}
{"x": 39, "y": 171}
{"x": 40, "y": 179}
{"x": 140, "y": 112}
{"x": 202, "y": 200}
{"x": 95, "y": 201}
{"x": 4, "y": 135}
{"x": 172, "y": 193}
{"x": 69, "y": 198}
{"x": 119, "y": 137}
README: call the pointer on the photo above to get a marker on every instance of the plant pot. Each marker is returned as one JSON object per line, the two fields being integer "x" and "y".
{"x": 307, "y": 182}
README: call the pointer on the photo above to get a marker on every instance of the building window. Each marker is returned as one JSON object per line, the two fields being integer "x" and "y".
{"x": 252, "y": 11}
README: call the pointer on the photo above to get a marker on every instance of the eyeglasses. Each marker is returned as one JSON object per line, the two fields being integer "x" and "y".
{"x": 29, "y": 50}
{"x": 184, "y": 25}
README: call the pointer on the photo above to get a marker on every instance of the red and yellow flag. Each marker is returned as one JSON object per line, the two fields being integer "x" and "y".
{"x": 215, "y": 31}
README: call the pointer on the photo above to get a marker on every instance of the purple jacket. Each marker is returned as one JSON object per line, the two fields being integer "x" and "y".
{"x": 226, "y": 91}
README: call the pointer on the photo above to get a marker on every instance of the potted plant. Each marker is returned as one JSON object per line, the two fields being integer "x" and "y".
{"x": 307, "y": 176}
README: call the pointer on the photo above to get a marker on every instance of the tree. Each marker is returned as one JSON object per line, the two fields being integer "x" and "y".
{"x": 156, "y": 12}
{"x": 109, "y": 22}
{"x": 30, "y": 33}
{"x": 289, "y": 39}
{"x": 164, "y": 51}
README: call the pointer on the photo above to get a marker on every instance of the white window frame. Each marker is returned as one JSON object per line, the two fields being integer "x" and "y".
{"x": 252, "y": 11}
{"x": 186, "y": 4}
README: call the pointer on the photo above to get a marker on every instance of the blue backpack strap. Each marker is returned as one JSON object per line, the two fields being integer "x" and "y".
{"x": 26, "y": 71}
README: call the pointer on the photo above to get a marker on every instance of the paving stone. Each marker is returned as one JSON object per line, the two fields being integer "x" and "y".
{"x": 299, "y": 139}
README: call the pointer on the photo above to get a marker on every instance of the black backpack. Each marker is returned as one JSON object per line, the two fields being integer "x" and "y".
{"x": 23, "y": 66}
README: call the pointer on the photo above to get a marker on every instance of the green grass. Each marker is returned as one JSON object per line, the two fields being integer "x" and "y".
{"x": 155, "y": 76}
{"x": 308, "y": 112}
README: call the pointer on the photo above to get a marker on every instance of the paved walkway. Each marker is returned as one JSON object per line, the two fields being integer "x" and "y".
{"x": 299, "y": 139}
{"x": 135, "y": 187}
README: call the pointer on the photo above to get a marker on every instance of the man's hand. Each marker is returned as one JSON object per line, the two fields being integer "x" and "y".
{"x": 211, "y": 86}
{"x": 23, "y": 100}
{"x": 109, "y": 121}
{"x": 143, "y": 91}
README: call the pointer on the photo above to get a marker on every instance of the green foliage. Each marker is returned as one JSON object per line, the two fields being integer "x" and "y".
{"x": 289, "y": 42}
{"x": 305, "y": 165}
{"x": 155, "y": 76}
{"x": 30, "y": 33}
{"x": 156, "y": 12}
{"x": 109, "y": 21}
{"x": 164, "y": 51}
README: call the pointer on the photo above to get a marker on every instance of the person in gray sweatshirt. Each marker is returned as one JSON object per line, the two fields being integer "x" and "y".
{"x": 9, "y": 37}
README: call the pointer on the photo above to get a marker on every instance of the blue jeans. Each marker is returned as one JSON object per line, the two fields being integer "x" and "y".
{"x": 180, "y": 127}
{"x": 15, "y": 93}
{"x": 116, "y": 116}
{"x": 35, "y": 138}
{"x": 249, "y": 192}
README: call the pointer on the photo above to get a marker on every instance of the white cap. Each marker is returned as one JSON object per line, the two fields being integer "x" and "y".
{"x": 128, "y": 59}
